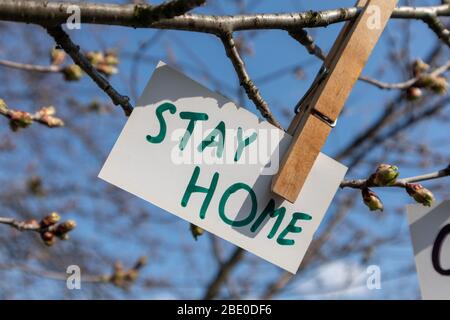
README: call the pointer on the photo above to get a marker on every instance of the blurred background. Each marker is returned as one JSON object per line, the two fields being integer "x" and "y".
{"x": 44, "y": 170}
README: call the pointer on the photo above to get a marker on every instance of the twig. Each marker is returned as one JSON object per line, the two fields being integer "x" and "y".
{"x": 250, "y": 88}
{"x": 31, "y": 67}
{"x": 119, "y": 277}
{"x": 438, "y": 27}
{"x": 21, "y": 119}
{"x": 308, "y": 42}
{"x": 73, "y": 51}
{"x": 223, "y": 273}
{"x": 400, "y": 183}
{"x": 55, "y": 13}
{"x": 406, "y": 84}
{"x": 48, "y": 228}
{"x": 21, "y": 225}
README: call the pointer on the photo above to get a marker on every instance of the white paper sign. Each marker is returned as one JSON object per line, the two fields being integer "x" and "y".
{"x": 194, "y": 153}
{"x": 430, "y": 233}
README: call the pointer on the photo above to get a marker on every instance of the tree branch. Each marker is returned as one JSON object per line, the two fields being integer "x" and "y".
{"x": 223, "y": 273}
{"x": 31, "y": 67}
{"x": 250, "y": 88}
{"x": 400, "y": 183}
{"x": 48, "y": 228}
{"x": 405, "y": 84}
{"x": 147, "y": 16}
{"x": 119, "y": 276}
{"x": 73, "y": 51}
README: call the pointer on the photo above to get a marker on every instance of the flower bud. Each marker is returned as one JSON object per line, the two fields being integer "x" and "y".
{"x": 440, "y": 85}
{"x": 72, "y": 73}
{"x": 385, "y": 175}
{"x": 413, "y": 93}
{"x": 64, "y": 236}
{"x": 95, "y": 57}
{"x": 19, "y": 119}
{"x": 35, "y": 186}
{"x": 196, "y": 231}
{"x": 371, "y": 200}
{"x": 3, "y": 106}
{"x": 111, "y": 58}
{"x": 106, "y": 69}
{"x": 48, "y": 238}
{"x": 57, "y": 56}
{"x": 51, "y": 219}
{"x": 66, "y": 226}
{"x": 420, "y": 194}
{"x": 46, "y": 115}
{"x": 419, "y": 67}
{"x": 437, "y": 84}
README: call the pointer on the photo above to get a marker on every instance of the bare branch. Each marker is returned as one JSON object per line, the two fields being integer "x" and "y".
{"x": 308, "y": 42}
{"x": 405, "y": 84}
{"x": 146, "y": 16}
{"x": 73, "y": 51}
{"x": 438, "y": 27}
{"x": 400, "y": 183}
{"x": 48, "y": 228}
{"x": 250, "y": 88}
{"x": 22, "y": 119}
{"x": 31, "y": 67}
{"x": 223, "y": 273}
{"x": 119, "y": 277}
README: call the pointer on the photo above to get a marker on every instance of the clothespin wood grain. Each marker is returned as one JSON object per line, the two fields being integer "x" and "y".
{"x": 319, "y": 110}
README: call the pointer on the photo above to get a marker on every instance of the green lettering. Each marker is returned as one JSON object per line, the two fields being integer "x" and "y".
{"x": 193, "y": 117}
{"x": 192, "y": 187}
{"x": 210, "y": 140}
{"x": 291, "y": 227}
{"x": 232, "y": 189}
{"x": 243, "y": 143}
{"x": 270, "y": 210}
{"x": 162, "y": 123}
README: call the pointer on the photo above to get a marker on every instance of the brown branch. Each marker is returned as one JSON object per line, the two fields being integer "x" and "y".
{"x": 400, "y": 183}
{"x": 63, "y": 39}
{"x": 119, "y": 277}
{"x": 408, "y": 83}
{"x": 438, "y": 27}
{"x": 31, "y": 67}
{"x": 223, "y": 273}
{"x": 48, "y": 228}
{"x": 145, "y": 16}
{"x": 22, "y": 119}
{"x": 245, "y": 81}
{"x": 308, "y": 42}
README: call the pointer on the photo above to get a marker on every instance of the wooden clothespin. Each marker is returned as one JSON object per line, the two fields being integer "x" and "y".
{"x": 319, "y": 109}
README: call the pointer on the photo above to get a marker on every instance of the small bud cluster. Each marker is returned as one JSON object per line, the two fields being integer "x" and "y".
{"x": 50, "y": 228}
{"x": 435, "y": 83}
{"x": 386, "y": 175}
{"x": 19, "y": 119}
{"x": 57, "y": 56}
{"x": 371, "y": 200}
{"x": 46, "y": 115}
{"x": 196, "y": 231}
{"x": 35, "y": 186}
{"x": 104, "y": 62}
{"x": 420, "y": 194}
{"x": 124, "y": 278}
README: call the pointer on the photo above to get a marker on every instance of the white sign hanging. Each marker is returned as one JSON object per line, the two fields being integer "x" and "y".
{"x": 195, "y": 154}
